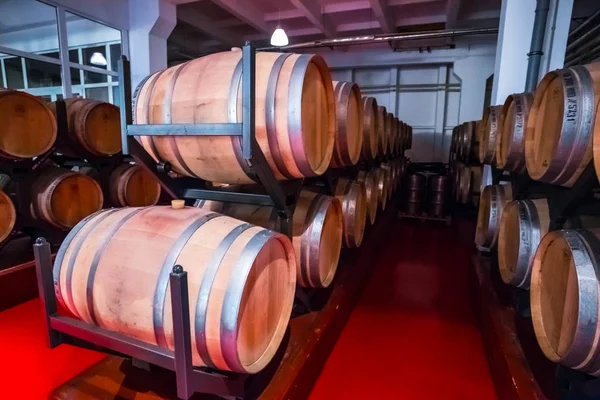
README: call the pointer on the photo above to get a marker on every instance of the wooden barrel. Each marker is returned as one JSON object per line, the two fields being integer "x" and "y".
{"x": 491, "y": 205}
{"x": 28, "y": 125}
{"x": 132, "y": 186}
{"x": 465, "y": 185}
{"x": 389, "y": 133}
{"x": 488, "y": 131}
{"x": 565, "y": 298}
{"x": 370, "y": 126}
{"x": 349, "y": 124}
{"x": 523, "y": 225}
{"x": 476, "y": 177}
{"x": 459, "y": 183}
{"x": 8, "y": 215}
{"x": 295, "y": 115}
{"x": 369, "y": 178}
{"x": 560, "y": 127}
{"x": 467, "y": 139}
{"x": 241, "y": 281}
{"x": 510, "y": 143}
{"x": 353, "y": 198}
{"x": 382, "y": 187}
{"x": 95, "y": 125}
{"x": 317, "y": 232}
{"x": 63, "y": 198}
{"x": 383, "y": 122}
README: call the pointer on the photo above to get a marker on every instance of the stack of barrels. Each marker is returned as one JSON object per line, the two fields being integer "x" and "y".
{"x": 549, "y": 136}
{"x": 242, "y": 273}
{"x": 465, "y": 169}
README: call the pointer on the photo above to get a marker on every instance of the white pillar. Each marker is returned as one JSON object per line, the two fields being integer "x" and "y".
{"x": 473, "y": 72}
{"x": 514, "y": 42}
{"x": 151, "y": 23}
{"x": 557, "y": 34}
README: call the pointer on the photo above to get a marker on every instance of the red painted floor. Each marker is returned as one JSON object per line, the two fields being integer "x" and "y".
{"x": 28, "y": 368}
{"x": 413, "y": 334}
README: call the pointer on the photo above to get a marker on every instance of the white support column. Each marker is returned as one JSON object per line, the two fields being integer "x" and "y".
{"x": 514, "y": 42}
{"x": 473, "y": 72}
{"x": 151, "y": 23}
{"x": 557, "y": 35}
{"x": 440, "y": 116}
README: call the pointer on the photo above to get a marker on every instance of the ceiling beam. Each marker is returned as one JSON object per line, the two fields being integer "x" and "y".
{"x": 201, "y": 22}
{"x": 383, "y": 15}
{"x": 452, "y": 13}
{"x": 312, "y": 11}
{"x": 245, "y": 11}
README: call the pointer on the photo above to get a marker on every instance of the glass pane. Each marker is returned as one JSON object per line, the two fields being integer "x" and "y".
{"x": 29, "y": 25}
{"x": 115, "y": 54}
{"x": 74, "y": 57}
{"x": 99, "y": 93}
{"x": 116, "y": 98}
{"x": 42, "y": 74}
{"x": 95, "y": 57}
{"x": 14, "y": 72}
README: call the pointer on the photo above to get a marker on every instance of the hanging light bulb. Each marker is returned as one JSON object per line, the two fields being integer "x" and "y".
{"x": 98, "y": 59}
{"x": 279, "y": 38}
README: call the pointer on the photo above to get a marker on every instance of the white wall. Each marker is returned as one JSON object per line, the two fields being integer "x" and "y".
{"x": 424, "y": 90}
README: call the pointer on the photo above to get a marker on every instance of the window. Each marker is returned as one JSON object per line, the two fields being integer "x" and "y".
{"x": 29, "y": 42}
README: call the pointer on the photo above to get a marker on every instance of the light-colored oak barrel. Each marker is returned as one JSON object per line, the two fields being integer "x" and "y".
{"x": 491, "y": 205}
{"x": 370, "y": 180}
{"x": 510, "y": 143}
{"x": 317, "y": 232}
{"x": 95, "y": 125}
{"x": 558, "y": 139}
{"x": 370, "y": 127}
{"x": 28, "y": 125}
{"x": 488, "y": 131}
{"x": 8, "y": 215}
{"x": 295, "y": 115}
{"x": 565, "y": 298}
{"x": 349, "y": 124}
{"x": 523, "y": 225}
{"x": 63, "y": 198}
{"x": 383, "y": 122}
{"x": 113, "y": 269}
{"x": 132, "y": 186}
{"x": 353, "y": 198}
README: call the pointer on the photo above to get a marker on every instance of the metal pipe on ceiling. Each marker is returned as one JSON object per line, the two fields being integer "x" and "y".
{"x": 383, "y": 38}
{"x": 584, "y": 24}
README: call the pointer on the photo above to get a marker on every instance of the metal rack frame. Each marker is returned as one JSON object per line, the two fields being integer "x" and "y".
{"x": 61, "y": 329}
{"x": 281, "y": 195}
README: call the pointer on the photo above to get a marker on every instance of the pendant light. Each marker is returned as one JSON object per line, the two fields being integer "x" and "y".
{"x": 279, "y": 37}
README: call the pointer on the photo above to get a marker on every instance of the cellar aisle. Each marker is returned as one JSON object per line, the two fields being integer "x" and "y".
{"x": 413, "y": 334}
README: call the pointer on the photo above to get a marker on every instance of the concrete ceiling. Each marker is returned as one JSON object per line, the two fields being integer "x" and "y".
{"x": 206, "y": 26}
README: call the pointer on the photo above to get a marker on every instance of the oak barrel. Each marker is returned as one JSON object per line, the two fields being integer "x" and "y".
{"x": 468, "y": 139}
{"x": 382, "y": 187}
{"x": 488, "y": 131}
{"x": 353, "y": 198}
{"x": 95, "y": 125}
{"x": 349, "y": 124}
{"x": 370, "y": 127}
{"x": 317, "y": 232}
{"x": 510, "y": 143}
{"x": 132, "y": 186}
{"x": 28, "y": 125}
{"x": 113, "y": 269}
{"x": 383, "y": 122}
{"x": 491, "y": 205}
{"x": 565, "y": 298}
{"x": 295, "y": 115}
{"x": 522, "y": 226}
{"x": 369, "y": 178}
{"x": 63, "y": 198}
{"x": 8, "y": 215}
{"x": 389, "y": 133}
{"x": 558, "y": 139}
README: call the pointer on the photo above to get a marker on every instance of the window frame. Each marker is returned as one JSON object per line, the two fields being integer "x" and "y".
{"x": 64, "y": 61}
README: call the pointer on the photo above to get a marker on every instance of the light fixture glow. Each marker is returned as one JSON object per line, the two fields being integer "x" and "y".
{"x": 279, "y": 38}
{"x": 98, "y": 59}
